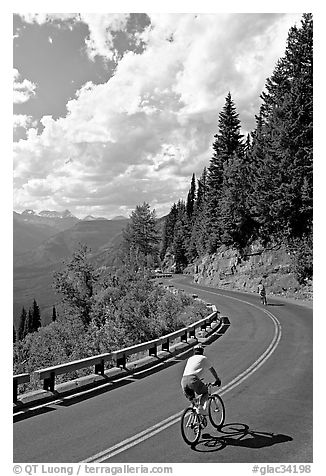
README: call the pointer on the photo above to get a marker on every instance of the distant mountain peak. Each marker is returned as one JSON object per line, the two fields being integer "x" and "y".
{"x": 119, "y": 217}
{"x": 92, "y": 218}
{"x": 55, "y": 214}
{"x": 28, "y": 212}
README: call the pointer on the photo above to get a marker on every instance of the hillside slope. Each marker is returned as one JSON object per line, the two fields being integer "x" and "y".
{"x": 33, "y": 271}
{"x": 226, "y": 269}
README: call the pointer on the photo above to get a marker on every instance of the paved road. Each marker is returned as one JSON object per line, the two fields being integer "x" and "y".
{"x": 265, "y": 361}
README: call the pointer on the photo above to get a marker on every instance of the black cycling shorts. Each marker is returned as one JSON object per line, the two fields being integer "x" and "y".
{"x": 191, "y": 384}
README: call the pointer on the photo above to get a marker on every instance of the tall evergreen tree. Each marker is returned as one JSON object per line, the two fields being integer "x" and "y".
{"x": 191, "y": 198}
{"x": 227, "y": 144}
{"x": 140, "y": 238}
{"x": 28, "y": 322}
{"x": 284, "y": 180}
{"x": 54, "y": 314}
{"x": 36, "y": 317}
{"x": 202, "y": 190}
{"x": 22, "y": 324}
{"x": 199, "y": 234}
{"x": 235, "y": 215}
{"x": 168, "y": 230}
{"x": 181, "y": 237}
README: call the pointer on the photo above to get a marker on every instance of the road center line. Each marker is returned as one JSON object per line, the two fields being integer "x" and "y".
{"x": 157, "y": 428}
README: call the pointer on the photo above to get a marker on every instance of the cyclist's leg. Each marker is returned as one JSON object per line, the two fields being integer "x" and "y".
{"x": 201, "y": 389}
{"x": 188, "y": 391}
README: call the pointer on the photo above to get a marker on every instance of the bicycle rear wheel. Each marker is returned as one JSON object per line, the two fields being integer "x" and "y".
{"x": 216, "y": 411}
{"x": 190, "y": 426}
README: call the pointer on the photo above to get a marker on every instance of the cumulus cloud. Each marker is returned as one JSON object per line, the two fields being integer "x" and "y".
{"x": 23, "y": 89}
{"x": 22, "y": 120}
{"x": 101, "y": 28}
{"x": 142, "y": 134}
{"x": 41, "y": 18}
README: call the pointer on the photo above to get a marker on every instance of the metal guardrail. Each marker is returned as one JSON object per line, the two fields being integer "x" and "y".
{"x": 119, "y": 357}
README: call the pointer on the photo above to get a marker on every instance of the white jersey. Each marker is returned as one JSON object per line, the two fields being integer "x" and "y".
{"x": 197, "y": 365}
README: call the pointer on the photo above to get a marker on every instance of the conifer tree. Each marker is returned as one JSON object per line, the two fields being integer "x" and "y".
{"x": 181, "y": 237}
{"x": 235, "y": 215}
{"x": 284, "y": 178}
{"x": 140, "y": 238}
{"x": 36, "y": 317}
{"x": 54, "y": 314}
{"x": 199, "y": 234}
{"x": 168, "y": 230}
{"x": 228, "y": 143}
{"x": 28, "y": 323}
{"x": 191, "y": 198}
{"x": 201, "y": 191}
{"x": 22, "y": 324}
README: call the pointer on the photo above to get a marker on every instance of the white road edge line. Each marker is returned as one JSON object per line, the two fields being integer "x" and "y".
{"x": 153, "y": 430}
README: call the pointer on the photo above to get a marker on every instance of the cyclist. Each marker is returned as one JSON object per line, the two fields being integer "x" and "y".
{"x": 262, "y": 293}
{"x": 191, "y": 383}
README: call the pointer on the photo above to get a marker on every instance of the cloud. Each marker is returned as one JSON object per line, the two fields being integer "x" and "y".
{"x": 142, "y": 134}
{"x": 41, "y": 18}
{"x": 22, "y": 120}
{"x": 101, "y": 28}
{"x": 23, "y": 89}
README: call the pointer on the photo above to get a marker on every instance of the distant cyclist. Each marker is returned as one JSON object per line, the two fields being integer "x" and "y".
{"x": 191, "y": 383}
{"x": 262, "y": 293}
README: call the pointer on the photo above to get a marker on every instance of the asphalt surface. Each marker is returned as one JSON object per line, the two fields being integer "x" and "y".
{"x": 264, "y": 359}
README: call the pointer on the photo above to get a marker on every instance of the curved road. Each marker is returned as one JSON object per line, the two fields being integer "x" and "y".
{"x": 265, "y": 362}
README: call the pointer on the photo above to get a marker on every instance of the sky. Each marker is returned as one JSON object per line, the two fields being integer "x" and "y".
{"x": 114, "y": 109}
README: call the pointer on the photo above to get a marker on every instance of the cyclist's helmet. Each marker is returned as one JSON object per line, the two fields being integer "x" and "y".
{"x": 198, "y": 349}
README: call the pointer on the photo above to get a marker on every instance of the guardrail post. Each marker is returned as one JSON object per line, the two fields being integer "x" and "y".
{"x": 184, "y": 336}
{"x": 121, "y": 361}
{"x": 166, "y": 345}
{"x": 192, "y": 333}
{"x": 15, "y": 391}
{"x": 99, "y": 368}
{"x": 153, "y": 350}
{"x": 48, "y": 383}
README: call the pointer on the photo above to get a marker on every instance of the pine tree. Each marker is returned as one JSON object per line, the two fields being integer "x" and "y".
{"x": 54, "y": 314}
{"x": 36, "y": 317}
{"x": 28, "y": 323}
{"x": 22, "y": 324}
{"x": 202, "y": 191}
{"x": 181, "y": 237}
{"x": 140, "y": 238}
{"x": 235, "y": 215}
{"x": 227, "y": 144}
{"x": 199, "y": 235}
{"x": 284, "y": 184}
{"x": 191, "y": 198}
{"x": 168, "y": 230}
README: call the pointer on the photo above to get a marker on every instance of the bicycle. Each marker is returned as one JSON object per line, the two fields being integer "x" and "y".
{"x": 192, "y": 423}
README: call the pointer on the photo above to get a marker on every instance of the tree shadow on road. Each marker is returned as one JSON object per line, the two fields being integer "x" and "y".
{"x": 238, "y": 434}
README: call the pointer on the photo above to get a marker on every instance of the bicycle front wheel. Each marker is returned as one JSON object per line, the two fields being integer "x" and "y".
{"x": 190, "y": 426}
{"x": 216, "y": 411}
